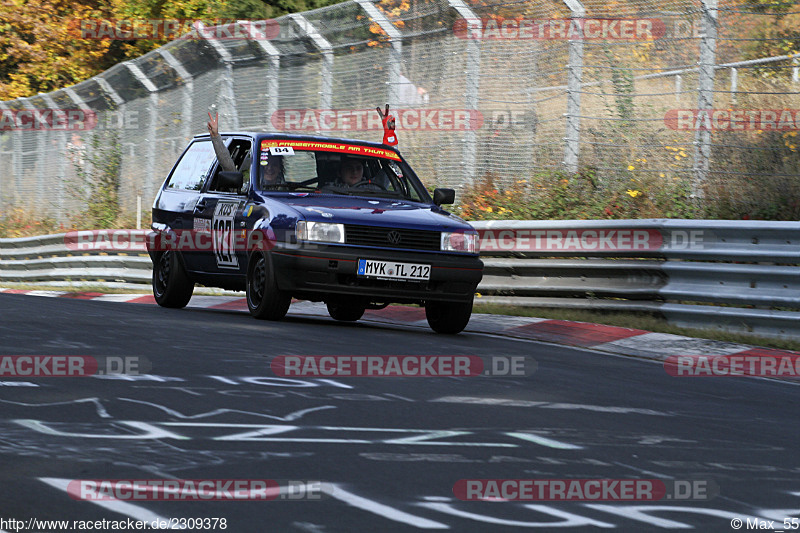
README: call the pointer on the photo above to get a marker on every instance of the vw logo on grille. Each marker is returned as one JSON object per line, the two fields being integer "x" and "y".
{"x": 393, "y": 237}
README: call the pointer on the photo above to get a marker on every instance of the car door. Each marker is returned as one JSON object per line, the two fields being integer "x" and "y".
{"x": 176, "y": 203}
{"x": 218, "y": 214}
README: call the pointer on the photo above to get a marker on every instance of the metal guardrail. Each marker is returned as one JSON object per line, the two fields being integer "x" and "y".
{"x": 734, "y": 275}
{"x": 49, "y": 258}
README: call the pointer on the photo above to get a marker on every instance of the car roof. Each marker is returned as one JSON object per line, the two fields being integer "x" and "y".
{"x": 300, "y": 137}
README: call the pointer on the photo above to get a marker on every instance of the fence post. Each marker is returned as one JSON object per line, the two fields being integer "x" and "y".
{"x": 273, "y": 83}
{"x": 795, "y": 71}
{"x": 228, "y": 95}
{"x": 574, "y": 79}
{"x": 226, "y": 92}
{"x": 4, "y": 109}
{"x": 108, "y": 90}
{"x": 38, "y": 171}
{"x": 395, "y": 56}
{"x": 705, "y": 96}
{"x": 326, "y": 72}
{"x": 118, "y": 103}
{"x": 61, "y": 173}
{"x": 188, "y": 92}
{"x": 734, "y": 85}
{"x": 111, "y": 93}
{"x": 472, "y": 88}
{"x": 273, "y": 86}
{"x": 151, "y": 141}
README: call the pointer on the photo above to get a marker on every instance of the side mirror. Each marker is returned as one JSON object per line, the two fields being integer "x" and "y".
{"x": 230, "y": 179}
{"x": 444, "y": 196}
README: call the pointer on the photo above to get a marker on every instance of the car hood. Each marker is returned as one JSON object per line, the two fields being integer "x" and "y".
{"x": 374, "y": 212}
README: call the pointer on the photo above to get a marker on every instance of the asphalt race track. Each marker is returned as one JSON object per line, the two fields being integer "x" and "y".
{"x": 388, "y": 451}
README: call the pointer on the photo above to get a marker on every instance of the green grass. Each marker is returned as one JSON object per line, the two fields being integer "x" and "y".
{"x": 645, "y": 321}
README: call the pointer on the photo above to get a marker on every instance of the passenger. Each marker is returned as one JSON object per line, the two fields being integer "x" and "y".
{"x": 271, "y": 169}
{"x": 271, "y": 166}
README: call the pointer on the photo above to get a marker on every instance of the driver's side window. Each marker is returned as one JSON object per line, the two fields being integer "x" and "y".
{"x": 241, "y": 153}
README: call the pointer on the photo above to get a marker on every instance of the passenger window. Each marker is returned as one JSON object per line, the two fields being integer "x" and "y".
{"x": 240, "y": 151}
{"x": 193, "y": 168}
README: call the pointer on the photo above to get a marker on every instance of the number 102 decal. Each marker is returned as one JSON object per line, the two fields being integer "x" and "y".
{"x": 223, "y": 234}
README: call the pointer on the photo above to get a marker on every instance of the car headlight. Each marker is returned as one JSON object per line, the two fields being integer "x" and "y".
{"x": 320, "y": 231}
{"x": 460, "y": 242}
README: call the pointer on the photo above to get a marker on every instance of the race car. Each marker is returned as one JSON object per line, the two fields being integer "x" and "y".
{"x": 338, "y": 221}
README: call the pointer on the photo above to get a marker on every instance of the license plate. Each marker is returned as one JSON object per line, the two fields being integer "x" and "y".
{"x": 391, "y": 270}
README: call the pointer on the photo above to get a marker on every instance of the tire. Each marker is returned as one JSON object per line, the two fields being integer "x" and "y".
{"x": 171, "y": 286}
{"x": 448, "y": 317}
{"x": 264, "y": 300}
{"x": 346, "y": 311}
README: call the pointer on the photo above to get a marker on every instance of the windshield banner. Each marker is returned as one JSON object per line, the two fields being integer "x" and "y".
{"x": 322, "y": 146}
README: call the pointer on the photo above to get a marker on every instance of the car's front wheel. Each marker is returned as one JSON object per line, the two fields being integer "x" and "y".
{"x": 171, "y": 286}
{"x": 448, "y": 317}
{"x": 346, "y": 311}
{"x": 264, "y": 299}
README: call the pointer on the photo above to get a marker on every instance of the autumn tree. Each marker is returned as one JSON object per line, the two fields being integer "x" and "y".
{"x": 40, "y": 51}
{"x": 37, "y": 51}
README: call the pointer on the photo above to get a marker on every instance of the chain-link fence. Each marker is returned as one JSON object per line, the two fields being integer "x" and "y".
{"x": 503, "y": 90}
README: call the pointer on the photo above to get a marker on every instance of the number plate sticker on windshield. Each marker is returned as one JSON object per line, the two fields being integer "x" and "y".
{"x": 390, "y": 270}
{"x": 281, "y": 150}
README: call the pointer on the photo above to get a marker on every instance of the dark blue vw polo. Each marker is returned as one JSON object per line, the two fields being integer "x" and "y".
{"x": 340, "y": 221}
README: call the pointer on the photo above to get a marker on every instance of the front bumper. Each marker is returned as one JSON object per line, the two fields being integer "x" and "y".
{"x": 314, "y": 273}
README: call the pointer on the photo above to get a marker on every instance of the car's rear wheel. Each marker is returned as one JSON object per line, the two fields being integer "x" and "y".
{"x": 448, "y": 317}
{"x": 171, "y": 286}
{"x": 264, "y": 299}
{"x": 346, "y": 311}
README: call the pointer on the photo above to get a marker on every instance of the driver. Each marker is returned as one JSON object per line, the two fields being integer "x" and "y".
{"x": 351, "y": 171}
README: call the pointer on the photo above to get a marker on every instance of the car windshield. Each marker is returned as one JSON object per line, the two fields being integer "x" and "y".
{"x": 335, "y": 168}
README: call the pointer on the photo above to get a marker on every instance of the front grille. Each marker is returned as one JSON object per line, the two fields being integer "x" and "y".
{"x": 411, "y": 239}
